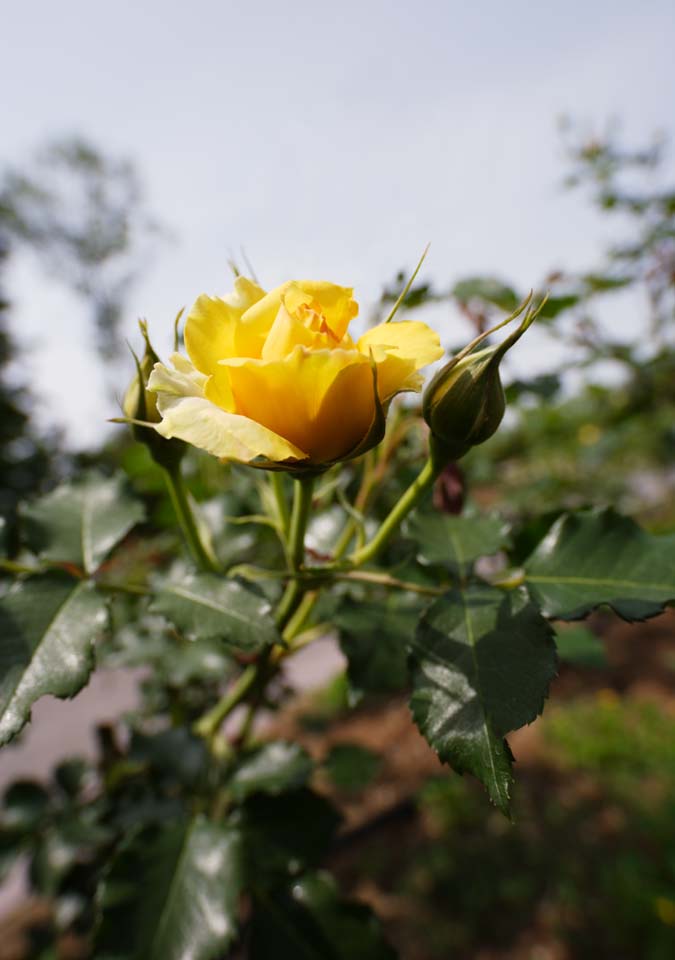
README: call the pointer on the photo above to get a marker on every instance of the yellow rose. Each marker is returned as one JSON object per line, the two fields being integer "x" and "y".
{"x": 275, "y": 380}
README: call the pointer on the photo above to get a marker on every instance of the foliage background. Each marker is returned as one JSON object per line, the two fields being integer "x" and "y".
{"x": 402, "y": 129}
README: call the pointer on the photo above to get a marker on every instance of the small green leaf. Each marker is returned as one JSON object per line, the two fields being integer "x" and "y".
{"x": 457, "y": 542}
{"x": 488, "y": 289}
{"x": 596, "y": 557}
{"x": 579, "y": 645}
{"x": 81, "y": 522}
{"x": 309, "y": 921}
{"x": 48, "y": 624}
{"x": 172, "y": 894}
{"x": 205, "y": 605}
{"x": 557, "y": 305}
{"x": 351, "y": 767}
{"x": 24, "y": 805}
{"x": 482, "y": 663}
{"x": 4, "y": 534}
{"x": 175, "y": 755}
{"x": 285, "y": 833}
{"x": 374, "y": 638}
{"x": 274, "y": 768}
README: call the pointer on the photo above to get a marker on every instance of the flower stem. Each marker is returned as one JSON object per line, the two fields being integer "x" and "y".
{"x": 181, "y": 504}
{"x": 208, "y": 725}
{"x": 302, "y": 504}
{"x": 252, "y": 682}
{"x": 392, "y": 522}
{"x": 283, "y": 513}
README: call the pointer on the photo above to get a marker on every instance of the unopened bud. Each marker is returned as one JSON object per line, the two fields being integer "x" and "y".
{"x": 464, "y": 403}
{"x": 140, "y": 407}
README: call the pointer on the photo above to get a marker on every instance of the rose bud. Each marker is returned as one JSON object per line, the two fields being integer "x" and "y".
{"x": 140, "y": 407}
{"x": 464, "y": 402}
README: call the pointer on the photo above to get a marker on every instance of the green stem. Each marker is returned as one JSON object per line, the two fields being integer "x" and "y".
{"x": 253, "y": 680}
{"x": 392, "y": 522}
{"x": 299, "y": 618}
{"x": 283, "y": 513}
{"x": 302, "y": 504}
{"x": 208, "y": 725}
{"x": 181, "y": 504}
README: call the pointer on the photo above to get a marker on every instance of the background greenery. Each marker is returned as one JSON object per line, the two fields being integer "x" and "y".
{"x": 588, "y": 870}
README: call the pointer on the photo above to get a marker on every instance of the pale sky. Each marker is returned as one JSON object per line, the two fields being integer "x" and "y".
{"x": 331, "y": 141}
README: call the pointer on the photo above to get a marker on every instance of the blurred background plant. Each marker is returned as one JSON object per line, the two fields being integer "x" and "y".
{"x": 588, "y": 869}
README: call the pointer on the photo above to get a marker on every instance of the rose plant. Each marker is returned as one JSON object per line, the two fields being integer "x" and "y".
{"x": 199, "y": 834}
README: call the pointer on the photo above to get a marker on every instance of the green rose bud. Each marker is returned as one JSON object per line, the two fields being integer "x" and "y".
{"x": 464, "y": 403}
{"x": 140, "y": 407}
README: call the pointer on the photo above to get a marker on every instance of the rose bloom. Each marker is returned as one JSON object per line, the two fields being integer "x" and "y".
{"x": 275, "y": 380}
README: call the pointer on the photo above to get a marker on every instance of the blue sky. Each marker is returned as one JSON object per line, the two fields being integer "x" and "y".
{"x": 331, "y": 141}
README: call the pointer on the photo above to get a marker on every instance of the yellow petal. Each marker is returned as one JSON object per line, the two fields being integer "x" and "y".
{"x": 399, "y": 351}
{"x": 333, "y": 302}
{"x": 321, "y": 401}
{"x": 181, "y": 380}
{"x": 287, "y": 332}
{"x": 188, "y": 415}
{"x": 212, "y": 322}
{"x": 337, "y": 303}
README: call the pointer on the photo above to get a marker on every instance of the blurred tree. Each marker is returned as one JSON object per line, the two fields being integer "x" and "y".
{"x": 24, "y": 458}
{"x": 84, "y": 216}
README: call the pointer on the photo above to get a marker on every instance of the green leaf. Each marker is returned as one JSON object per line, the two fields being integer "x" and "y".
{"x": 175, "y": 755}
{"x": 205, "y": 605}
{"x": 580, "y": 646}
{"x": 375, "y": 638}
{"x": 488, "y": 289}
{"x": 285, "y": 833}
{"x": 557, "y": 305}
{"x": 351, "y": 767}
{"x": 457, "y": 542}
{"x": 24, "y": 806}
{"x": 48, "y": 624}
{"x": 172, "y": 894}
{"x": 481, "y": 665}
{"x": 596, "y": 557}
{"x": 309, "y": 921}
{"x": 274, "y": 768}
{"x": 601, "y": 283}
{"x": 81, "y": 522}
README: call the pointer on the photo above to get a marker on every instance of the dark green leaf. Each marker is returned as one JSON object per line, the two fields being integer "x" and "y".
{"x": 73, "y": 838}
{"x": 375, "y": 638}
{"x": 72, "y": 776}
{"x": 351, "y": 767}
{"x": 24, "y": 805}
{"x": 205, "y": 605}
{"x": 172, "y": 894}
{"x": 4, "y": 534}
{"x": 599, "y": 283}
{"x": 81, "y": 522}
{"x": 596, "y": 557}
{"x": 482, "y": 663}
{"x": 285, "y": 833}
{"x": 175, "y": 754}
{"x": 48, "y": 626}
{"x": 488, "y": 289}
{"x": 274, "y": 768}
{"x": 309, "y": 921}
{"x": 579, "y": 645}
{"x": 11, "y": 847}
{"x": 457, "y": 542}
{"x": 545, "y": 386}
{"x": 557, "y": 305}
